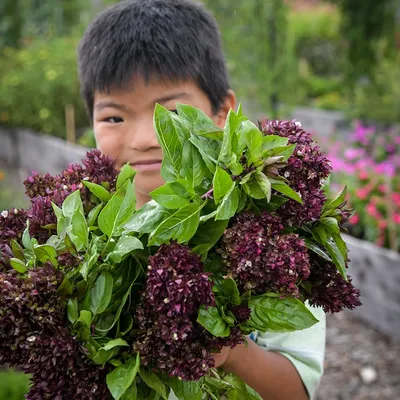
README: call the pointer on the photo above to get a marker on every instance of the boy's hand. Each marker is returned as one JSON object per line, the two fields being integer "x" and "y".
{"x": 222, "y": 357}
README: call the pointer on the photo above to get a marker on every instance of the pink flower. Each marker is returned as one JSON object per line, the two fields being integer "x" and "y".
{"x": 382, "y": 224}
{"x": 372, "y": 210}
{"x": 363, "y": 193}
{"x": 396, "y": 198}
{"x": 363, "y": 175}
{"x": 354, "y": 220}
{"x": 385, "y": 168}
{"x": 352, "y": 153}
{"x": 396, "y": 219}
{"x": 383, "y": 188}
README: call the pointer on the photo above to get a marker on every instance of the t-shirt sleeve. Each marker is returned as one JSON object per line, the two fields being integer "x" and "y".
{"x": 305, "y": 349}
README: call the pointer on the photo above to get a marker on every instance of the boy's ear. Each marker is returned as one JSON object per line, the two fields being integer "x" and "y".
{"x": 229, "y": 102}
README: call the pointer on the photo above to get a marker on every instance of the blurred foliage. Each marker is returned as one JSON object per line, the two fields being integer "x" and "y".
{"x": 11, "y": 192}
{"x": 378, "y": 100}
{"x": 87, "y": 139}
{"x": 258, "y": 49}
{"x": 279, "y": 52}
{"x": 37, "y": 82}
{"x": 24, "y": 19}
{"x": 13, "y": 385}
{"x": 366, "y": 26}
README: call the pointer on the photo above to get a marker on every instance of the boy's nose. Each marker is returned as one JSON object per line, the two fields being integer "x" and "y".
{"x": 142, "y": 136}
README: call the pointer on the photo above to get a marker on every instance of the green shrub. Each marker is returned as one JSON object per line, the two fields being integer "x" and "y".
{"x": 36, "y": 84}
{"x": 315, "y": 32}
{"x": 87, "y": 139}
{"x": 379, "y": 100}
{"x": 13, "y": 385}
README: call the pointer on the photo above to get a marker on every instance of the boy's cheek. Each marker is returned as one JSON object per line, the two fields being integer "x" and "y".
{"x": 110, "y": 145}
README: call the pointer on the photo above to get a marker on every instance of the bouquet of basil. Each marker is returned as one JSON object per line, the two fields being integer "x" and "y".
{"x": 100, "y": 300}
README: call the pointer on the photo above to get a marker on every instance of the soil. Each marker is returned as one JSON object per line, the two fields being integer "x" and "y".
{"x": 360, "y": 363}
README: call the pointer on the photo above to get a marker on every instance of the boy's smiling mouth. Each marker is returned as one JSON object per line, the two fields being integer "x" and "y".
{"x": 147, "y": 165}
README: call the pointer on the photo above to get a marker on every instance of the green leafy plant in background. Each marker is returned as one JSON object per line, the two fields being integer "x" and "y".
{"x": 13, "y": 385}
{"x": 37, "y": 82}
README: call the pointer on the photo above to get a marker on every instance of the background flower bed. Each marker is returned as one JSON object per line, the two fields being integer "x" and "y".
{"x": 369, "y": 164}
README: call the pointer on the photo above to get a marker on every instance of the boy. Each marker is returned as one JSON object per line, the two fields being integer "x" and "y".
{"x": 142, "y": 52}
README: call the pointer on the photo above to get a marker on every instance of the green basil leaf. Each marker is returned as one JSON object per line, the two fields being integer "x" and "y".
{"x": 100, "y": 294}
{"x": 272, "y": 314}
{"x": 125, "y": 324}
{"x": 115, "y": 343}
{"x": 185, "y": 390}
{"x": 126, "y": 173}
{"x": 71, "y": 204}
{"x": 180, "y": 226}
{"x": 167, "y": 197}
{"x": 147, "y": 218}
{"x": 337, "y": 257}
{"x": 83, "y": 326}
{"x": 66, "y": 288}
{"x": 228, "y": 145}
{"x": 17, "y": 250}
{"x": 316, "y": 249}
{"x": 104, "y": 328}
{"x": 80, "y": 233}
{"x": 73, "y": 311}
{"x": 194, "y": 168}
{"x": 209, "y": 150}
{"x": 57, "y": 211}
{"x": 93, "y": 214}
{"x": 332, "y": 204}
{"x": 258, "y": 186}
{"x": 228, "y": 292}
{"x": 101, "y": 356}
{"x": 197, "y": 121}
{"x": 169, "y": 138}
{"x": 120, "y": 380}
{"x": 331, "y": 225}
{"x": 253, "y": 139}
{"x": 18, "y": 265}
{"x": 208, "y": 234}
{"x": 124, "y": 246}
{"x": 286, "y": 190}
{"x": 272, "y": 141}
{"x": 234, "y": 166}
{"x": 222, "y": 184}
{"x": 26, "y": 238}
{"x": 229, "y": 205}
{"x": 132, "y": 393}
{"x": 211, "y": 319}
{"x": 46, "y": 253}
{"x": 285, "y": 152}
{"x": 183, "y": 188}
{"x": 99, "y": 191}
{"x": 153, "y": 382}
{"x": 241, "y": 391}
{"x": 118, "y": 210}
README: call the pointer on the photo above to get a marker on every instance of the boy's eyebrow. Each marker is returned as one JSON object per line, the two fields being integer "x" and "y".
{"x": 104, "y": 104}
{"x": 107, "y": 103}
{"x": 171, "y": 97}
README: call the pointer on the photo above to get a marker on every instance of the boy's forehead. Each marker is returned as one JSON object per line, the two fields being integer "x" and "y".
{"x": 141, "y": 93}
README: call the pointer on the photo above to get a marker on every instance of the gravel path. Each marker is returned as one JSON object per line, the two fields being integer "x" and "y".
{"x": 360, "y": 363}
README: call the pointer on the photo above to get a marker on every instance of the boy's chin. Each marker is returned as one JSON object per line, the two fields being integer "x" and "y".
{"x": 146, "y": 183}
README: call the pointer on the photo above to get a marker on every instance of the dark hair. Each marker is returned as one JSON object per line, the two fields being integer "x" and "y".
{"x": 177, "y": 40}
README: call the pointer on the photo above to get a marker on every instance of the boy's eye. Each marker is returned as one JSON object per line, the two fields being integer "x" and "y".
{"x": 114, "y": 120}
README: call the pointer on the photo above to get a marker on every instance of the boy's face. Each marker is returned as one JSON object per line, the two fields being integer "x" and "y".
{"x": 123, "y": 125}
